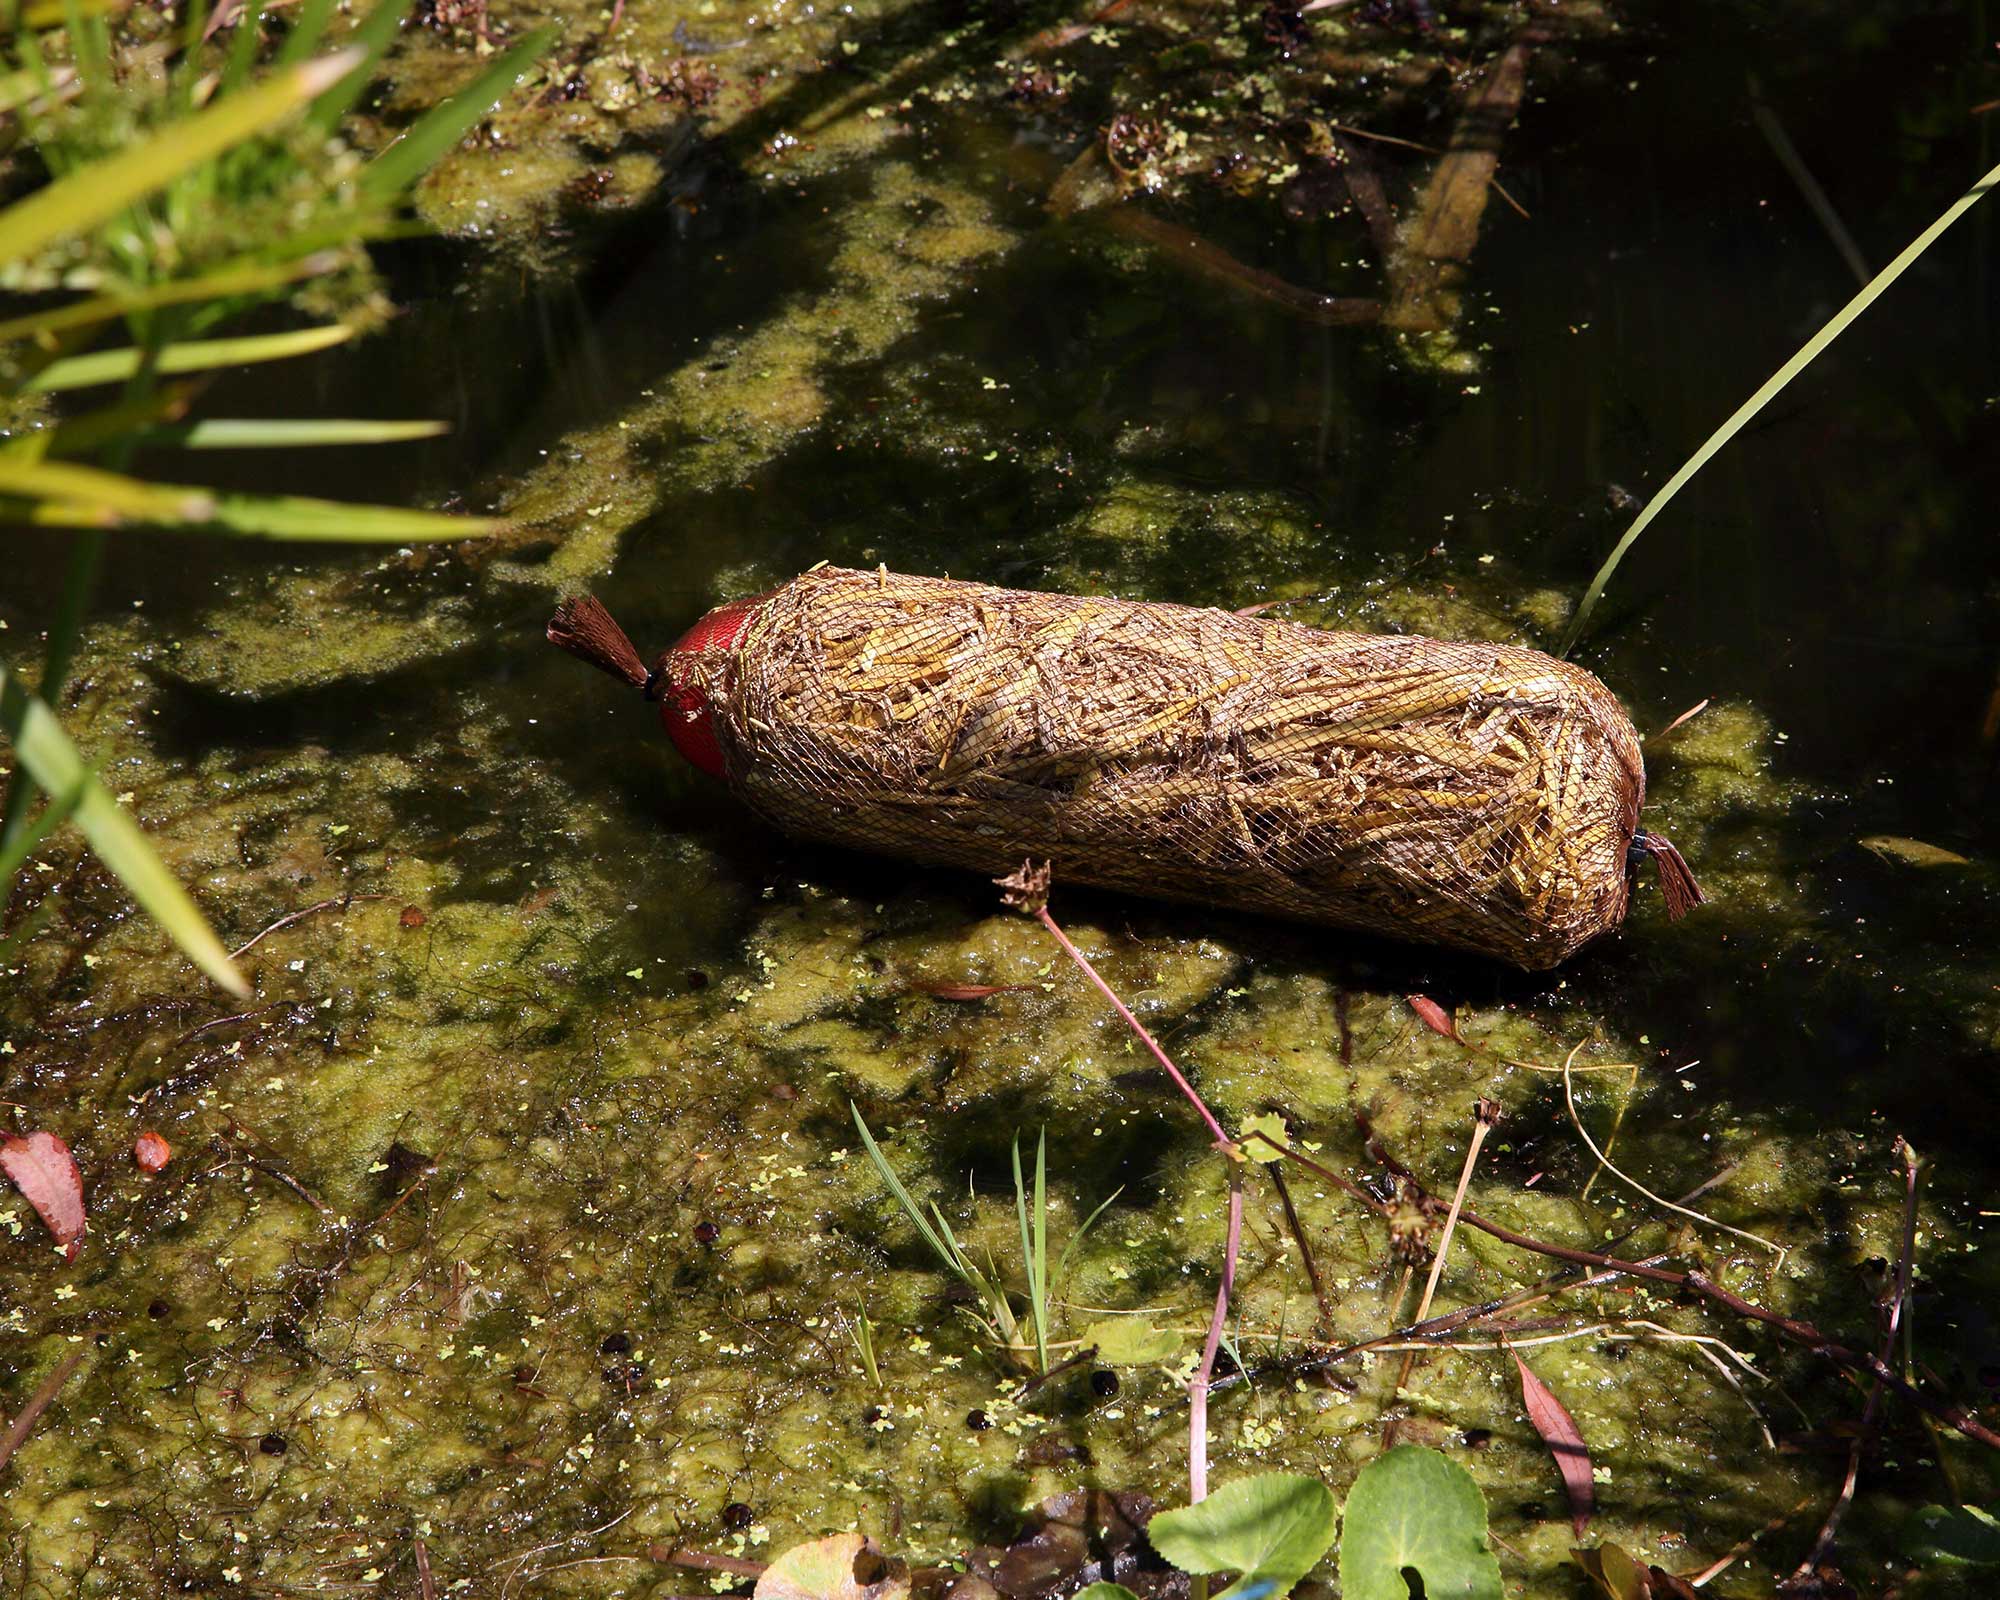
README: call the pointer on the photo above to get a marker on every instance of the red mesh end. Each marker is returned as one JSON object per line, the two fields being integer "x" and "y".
{"x": 684, "y": 709}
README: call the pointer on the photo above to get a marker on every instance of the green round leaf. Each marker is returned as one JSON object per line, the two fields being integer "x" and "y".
{"x": 1413, "y": 1508}
{"x": 1271, "y": 1529}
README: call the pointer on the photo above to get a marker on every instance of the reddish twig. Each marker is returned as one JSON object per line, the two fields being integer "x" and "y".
{"x": 1199, "y": 1383}
{"x": 1222, "y": 1140}
{"x": 31, "y": 1413}
{"x": 1305, "y": 1250}
{"x": 702, "y": 1561}
{"x": 342, "y": 900}
{"x": 426, "y": 1585}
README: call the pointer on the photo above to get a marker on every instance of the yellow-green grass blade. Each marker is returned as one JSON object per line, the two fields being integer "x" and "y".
{"x": 115, "y": 497}
{"x": 294, "y": 518}
{"x": 188, "y": 355}
{"x": 432, "y": 134}
{"x": 76, "y": 203}
{"x": 368, "y": 43}
{"x": 256, "y": 433}
{"x": 222, "y": 284}
{"x": 44, "y": 750}
{"x": 1806, "y": 355}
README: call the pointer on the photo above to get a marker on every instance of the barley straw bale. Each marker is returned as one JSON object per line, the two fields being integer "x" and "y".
{"x": 1475, "y": 795}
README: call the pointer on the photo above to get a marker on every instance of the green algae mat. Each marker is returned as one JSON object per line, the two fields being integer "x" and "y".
{"x": 517, "y": 1237}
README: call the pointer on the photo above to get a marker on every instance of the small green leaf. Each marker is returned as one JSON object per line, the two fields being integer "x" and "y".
{"x": 52, "y": 761}
{"x": 411, "y": 156}
{"x": 1968, "y": 1534}
{"x": 1270, "y": 1529}
{"x": 1132, "y": 1342}
{"x": 1272, "y": 1126}
{"x": 102, "y": 189}
{"x": 1416, "y": 1509}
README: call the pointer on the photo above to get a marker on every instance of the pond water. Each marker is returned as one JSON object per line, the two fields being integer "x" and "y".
{"x": 521, "y": 1218}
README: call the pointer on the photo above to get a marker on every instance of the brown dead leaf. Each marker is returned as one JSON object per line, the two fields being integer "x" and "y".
{"x": 969, "y": 991}
{"x": 844, "y": 1567}
{"x": 1560, "y": 1433}
{"x": 45, "y": 1172}
{"x": 1434, "y": 1016}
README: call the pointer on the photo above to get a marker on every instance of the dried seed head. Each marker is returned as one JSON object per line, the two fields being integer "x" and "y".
{"x": 1027, "y": 890}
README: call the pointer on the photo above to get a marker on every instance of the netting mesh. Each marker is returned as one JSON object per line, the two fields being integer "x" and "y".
{"x": 1476, "y": 795}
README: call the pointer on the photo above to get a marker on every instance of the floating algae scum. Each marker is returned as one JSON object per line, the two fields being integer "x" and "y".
{"x": 520, "y": 1219}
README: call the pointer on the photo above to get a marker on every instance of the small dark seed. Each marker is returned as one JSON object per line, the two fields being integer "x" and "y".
{"x": 615, "y": 1344}
{"x": 872, "y": 1415}
{"x": 736, "y": 1516}
{"x": 272, "y": 1444}
{"x": 706, "y": 1233}
{"x": 158, "y": 1309}
{"x": 1104, "y": 1383}
{"x": 696, "y": 978}
{"x": 978, "y": 1421}
{"x": 1476, "y": 1438}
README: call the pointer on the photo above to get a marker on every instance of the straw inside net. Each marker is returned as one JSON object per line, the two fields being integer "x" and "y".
{"x": 1475, "y": 795}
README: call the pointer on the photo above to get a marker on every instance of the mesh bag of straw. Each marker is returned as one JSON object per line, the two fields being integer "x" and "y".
{"x": 1481, "y": 796}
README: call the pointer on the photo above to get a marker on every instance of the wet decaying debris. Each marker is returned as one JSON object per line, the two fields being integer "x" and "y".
{"x": 1075, "y": 1539}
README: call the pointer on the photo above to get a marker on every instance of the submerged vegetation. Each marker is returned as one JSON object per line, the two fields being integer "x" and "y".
{"x": 525, "y": 1227}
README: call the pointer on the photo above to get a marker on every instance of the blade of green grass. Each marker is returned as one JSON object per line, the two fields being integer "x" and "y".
{"x": 1075, "y": 1239}
{"x": 224, "y": 283}
{"x": 28, "y": 838}
{"x": 1772, "y": 386}
{"x": 52, "y": 761}
{"x": 334, "y": 521}
{"x": 243, "y": 47}
{"x": 371, "y": 38}
{"x": 101, "y": 190}
{"x": 256, "y": 433}
{"x": 432, "y": 134}
{"x": 308, "y": 28}
{"x": 189, "y": 355}
{"x": 903, "y": 1198}
{"x": 118, "y": 497}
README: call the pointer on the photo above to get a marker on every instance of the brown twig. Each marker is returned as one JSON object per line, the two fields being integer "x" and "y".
{"x": 1305, "y": 1250}
{"x": 1804, "y": 1578}
{"x": 426, "y": 1586}
{"x": 1076, "y": 1359}
{"x": 31, "y": 1413}
{"x": 1485, "y": 1114}
{"x": 701, "y": 1561}
{"x": 342, "y": 900}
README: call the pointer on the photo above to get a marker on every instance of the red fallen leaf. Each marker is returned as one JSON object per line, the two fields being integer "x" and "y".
{"x": 969, "y": 991}
{"x": 1560, "y": 1433}
{"x": 151, "y": 1151}
{"x": 1434, "y": 1016}
{"x": 45, "y": 1172}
